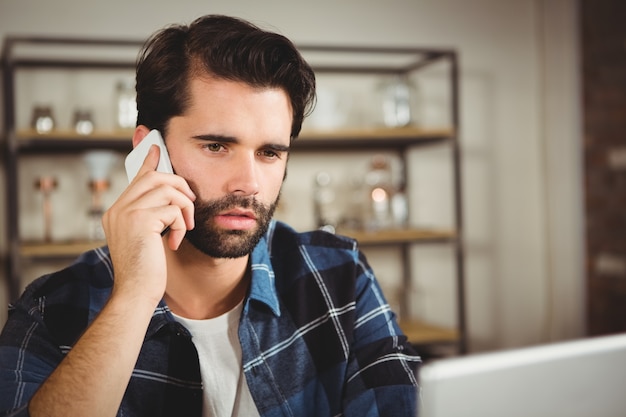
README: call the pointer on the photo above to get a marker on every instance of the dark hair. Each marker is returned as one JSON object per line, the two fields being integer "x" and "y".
{"x": 227, "y": 48}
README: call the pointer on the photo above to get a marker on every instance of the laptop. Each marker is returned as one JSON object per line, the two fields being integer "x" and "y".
{"x": 581, "y": 378}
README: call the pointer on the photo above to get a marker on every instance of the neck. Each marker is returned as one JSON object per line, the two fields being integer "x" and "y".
{"x": 200, "y": 287}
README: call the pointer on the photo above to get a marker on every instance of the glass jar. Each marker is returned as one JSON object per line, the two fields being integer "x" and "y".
{"x": 43, "y": 120}
{"x": 83, "y": 122}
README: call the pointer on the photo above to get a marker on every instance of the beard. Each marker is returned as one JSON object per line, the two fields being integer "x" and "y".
{"x": 223, "y": 243}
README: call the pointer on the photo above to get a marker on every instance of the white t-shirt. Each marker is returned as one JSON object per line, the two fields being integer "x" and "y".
{"x": 225, "y": 392}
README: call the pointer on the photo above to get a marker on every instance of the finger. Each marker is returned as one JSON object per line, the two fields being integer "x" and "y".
{"x": 176, "y": 226}
{"x": 149, "y": 180}
{"x": 149, "y": 209}
{"x": 151, "y": 162}
{"x": 156, "y": 219}
{"x": 164, "y": 195}
{"x": 188, "y": 212}
{"x": 175, "y": 238}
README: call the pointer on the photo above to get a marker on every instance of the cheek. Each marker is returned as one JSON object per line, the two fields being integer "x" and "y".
{"x": 180, "y": 161}
{"x": 200, "y": 178}
{"x": 272, "y": 185}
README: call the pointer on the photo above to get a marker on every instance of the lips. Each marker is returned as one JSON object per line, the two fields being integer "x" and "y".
{"x": 236, "y": 219}
{"x": 239, "y": 213}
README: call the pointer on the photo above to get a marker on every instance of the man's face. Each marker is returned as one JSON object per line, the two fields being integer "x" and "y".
{"x": 231, "y": 146}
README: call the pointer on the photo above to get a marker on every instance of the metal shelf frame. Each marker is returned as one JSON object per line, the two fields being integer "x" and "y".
{"x": 52, "y": 52}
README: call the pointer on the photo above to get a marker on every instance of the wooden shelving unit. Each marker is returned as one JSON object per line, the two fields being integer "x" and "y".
{"x": 18, "y": 142}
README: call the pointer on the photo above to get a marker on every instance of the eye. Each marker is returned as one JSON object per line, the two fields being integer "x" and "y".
{"x": 268, "y": 153}
{"x": 213, "y": 147}
{"x": 273, "y": 152}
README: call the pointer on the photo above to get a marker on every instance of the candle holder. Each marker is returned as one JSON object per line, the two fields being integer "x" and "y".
{"x": 99, "y": 164}
{"x": 46, "y": 184}
{"x": 98, "y": 188}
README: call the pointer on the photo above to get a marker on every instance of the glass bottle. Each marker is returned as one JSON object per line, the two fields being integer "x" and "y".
{"x": 399, "y": 97}
{"x": 126, "y": 104}
{"x": 379, "y": 190}
{"x": 324, "y": 202}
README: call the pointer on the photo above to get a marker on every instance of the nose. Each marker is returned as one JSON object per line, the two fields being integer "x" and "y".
{"x": 243, "y": 176}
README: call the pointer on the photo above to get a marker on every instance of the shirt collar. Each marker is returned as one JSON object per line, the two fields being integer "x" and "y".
{"x": 262, "y": 286}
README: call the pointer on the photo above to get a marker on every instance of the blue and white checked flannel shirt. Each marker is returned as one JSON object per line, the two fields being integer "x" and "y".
{"x": 318, "y": 337}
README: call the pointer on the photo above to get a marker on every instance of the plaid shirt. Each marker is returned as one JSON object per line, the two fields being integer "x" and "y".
{"x": 317, "y": 336}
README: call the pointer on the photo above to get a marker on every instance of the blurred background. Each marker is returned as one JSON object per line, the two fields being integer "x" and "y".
{"x": 541, "y": 140}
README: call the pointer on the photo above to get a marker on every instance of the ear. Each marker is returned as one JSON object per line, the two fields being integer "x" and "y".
{"x": 140, "y": 132}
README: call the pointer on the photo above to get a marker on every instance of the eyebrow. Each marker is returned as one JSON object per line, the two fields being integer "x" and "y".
{"x": 231, "y": 139}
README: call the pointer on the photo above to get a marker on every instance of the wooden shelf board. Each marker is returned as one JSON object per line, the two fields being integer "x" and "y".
{"x": 57, "y": 249}
{"x": 373, "y": 133}
{"x": 375, "y": 137}
{"x": 391, "y": 236}
{"x": 69, "y": 248}
{"x": 59, "y": 141}
{"x": 70, "y": 135}
{"x": 419, "y": 332}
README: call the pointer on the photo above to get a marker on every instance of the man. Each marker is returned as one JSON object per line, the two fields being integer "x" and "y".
{"x": 201, "y": 304}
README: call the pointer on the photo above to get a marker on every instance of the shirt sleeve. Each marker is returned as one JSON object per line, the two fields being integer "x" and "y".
{"x": 27, "y": 358}
{"x": 382, "y": 368}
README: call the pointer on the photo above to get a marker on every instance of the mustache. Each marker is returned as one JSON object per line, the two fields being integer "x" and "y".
{"x": 227, "y": 202}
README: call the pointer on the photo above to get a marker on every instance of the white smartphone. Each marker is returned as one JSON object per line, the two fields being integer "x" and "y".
{"x": 136, "y": 157}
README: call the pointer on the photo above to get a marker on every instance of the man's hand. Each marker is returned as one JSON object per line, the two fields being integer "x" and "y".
{"x": 134, "y": 224}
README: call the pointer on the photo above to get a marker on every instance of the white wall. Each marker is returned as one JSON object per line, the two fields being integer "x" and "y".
{"x": 520, "y": 133}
